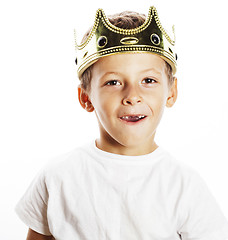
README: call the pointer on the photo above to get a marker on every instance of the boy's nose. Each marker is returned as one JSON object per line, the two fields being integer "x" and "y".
{"x": 132, "y": 98}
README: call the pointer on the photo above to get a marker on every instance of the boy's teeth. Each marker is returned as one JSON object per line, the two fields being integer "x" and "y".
{"x": 133, "y": 118}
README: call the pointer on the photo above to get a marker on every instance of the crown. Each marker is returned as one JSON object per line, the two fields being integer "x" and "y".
{"x": 106, "y": 39}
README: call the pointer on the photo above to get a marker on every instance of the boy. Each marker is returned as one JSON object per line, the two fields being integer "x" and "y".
{"x": 123, "y": 186}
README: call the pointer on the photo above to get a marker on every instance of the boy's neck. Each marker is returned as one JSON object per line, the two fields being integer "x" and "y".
{"x": 117, "y": 148}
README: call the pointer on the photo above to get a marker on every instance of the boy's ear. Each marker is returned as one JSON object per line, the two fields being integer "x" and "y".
{"x": 172, "y": 97}
{"x": 84, "y": 100}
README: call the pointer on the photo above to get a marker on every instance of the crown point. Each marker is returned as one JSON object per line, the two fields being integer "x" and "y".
{"x": 100, "y": 12}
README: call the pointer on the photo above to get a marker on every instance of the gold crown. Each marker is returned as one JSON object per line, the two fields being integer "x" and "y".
{"x": 106, "y": 39}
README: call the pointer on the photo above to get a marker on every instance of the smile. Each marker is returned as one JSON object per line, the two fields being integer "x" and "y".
{"x": 133, "y": 118}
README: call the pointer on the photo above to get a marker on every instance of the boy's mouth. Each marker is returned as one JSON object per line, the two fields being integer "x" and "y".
{"x": 133, "y": 118}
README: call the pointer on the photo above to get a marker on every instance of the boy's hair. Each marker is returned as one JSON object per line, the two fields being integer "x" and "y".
{"x": 126, "y": 20}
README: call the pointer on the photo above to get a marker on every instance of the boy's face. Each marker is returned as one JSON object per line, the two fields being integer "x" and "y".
{"x": 128, "y": 94}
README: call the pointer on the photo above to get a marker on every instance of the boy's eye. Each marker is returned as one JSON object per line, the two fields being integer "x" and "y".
{"x": 149, "y": 80}
{"x": 113, "y": 82}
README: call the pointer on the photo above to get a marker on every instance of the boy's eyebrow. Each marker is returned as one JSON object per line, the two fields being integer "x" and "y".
{"x": 110, "y": 73}
{"x": 151, "y": 70}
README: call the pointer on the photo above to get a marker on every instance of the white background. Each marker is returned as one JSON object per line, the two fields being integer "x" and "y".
{"x": 40, "y": 116}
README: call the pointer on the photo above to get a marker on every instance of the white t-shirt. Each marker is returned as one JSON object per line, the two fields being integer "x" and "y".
{"x": 90, "y": 194}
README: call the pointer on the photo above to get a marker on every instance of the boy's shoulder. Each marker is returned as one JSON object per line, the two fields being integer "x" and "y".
{"x": 64, "y": 162}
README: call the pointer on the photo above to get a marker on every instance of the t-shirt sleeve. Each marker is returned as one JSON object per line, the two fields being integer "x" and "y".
{"x": 32, "y": 208}
{"x": 202, "y": 218}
